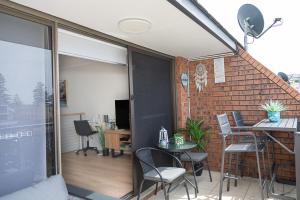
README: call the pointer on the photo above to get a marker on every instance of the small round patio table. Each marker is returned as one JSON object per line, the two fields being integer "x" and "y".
{"x": 173, "y": 148}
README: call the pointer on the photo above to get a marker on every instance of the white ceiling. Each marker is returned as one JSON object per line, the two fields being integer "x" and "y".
{"x": 172, "y": 32}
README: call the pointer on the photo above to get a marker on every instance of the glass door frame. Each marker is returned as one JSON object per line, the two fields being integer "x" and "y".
{"x": 56, "y": 23}
{"x": 173, "y": 91}
{"x": 53, "y": 26}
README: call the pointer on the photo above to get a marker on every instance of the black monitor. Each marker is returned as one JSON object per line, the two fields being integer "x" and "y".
{"x": 122, "y": 114}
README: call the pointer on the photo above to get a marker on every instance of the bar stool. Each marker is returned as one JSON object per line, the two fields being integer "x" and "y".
{"x": 264, "y": 139}
{"x": 225, "y": 132}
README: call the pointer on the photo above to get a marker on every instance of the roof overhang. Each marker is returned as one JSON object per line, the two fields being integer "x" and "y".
{"x": 179, "y": 27}
{"x": 198, "y": 14}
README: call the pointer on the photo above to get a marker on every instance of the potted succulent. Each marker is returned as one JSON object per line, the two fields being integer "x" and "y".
{"x": 273, "y": 109}
{"x": 179, "y": 139}
{"x": 101, "y": 138}
{"x": 197, "y": 132}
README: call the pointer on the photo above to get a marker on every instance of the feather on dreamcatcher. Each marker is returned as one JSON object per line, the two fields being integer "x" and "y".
{"x": 200, "y": 77}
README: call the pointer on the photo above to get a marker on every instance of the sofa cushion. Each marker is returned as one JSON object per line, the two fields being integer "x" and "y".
{"x": 53, "y": 188}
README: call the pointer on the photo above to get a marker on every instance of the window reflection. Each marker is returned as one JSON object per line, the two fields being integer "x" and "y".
{"x": 26, "y": 111}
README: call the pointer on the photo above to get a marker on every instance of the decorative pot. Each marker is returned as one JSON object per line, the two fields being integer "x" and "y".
{"x": 198, "y": 166}
{"x": 274, "y": 116}
{"x": 105, "y": 152}
{"x": 179, "y": 139}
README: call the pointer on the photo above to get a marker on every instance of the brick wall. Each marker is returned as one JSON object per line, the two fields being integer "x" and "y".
{"x": 248, "y": 85}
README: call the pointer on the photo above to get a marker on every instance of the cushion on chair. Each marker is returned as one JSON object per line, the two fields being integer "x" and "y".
{"x": 195, "y": 156}
{"x": 53, "y": 188}
{"x": 169, "y": 174}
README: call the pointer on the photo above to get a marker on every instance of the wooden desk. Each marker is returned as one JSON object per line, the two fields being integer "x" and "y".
{"x": 113, "y": 142}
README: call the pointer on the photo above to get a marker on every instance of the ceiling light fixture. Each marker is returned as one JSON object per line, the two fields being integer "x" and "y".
{"x": 134, "y": 25}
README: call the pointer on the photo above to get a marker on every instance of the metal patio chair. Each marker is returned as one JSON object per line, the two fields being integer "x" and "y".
{"x": 241, "y": 126}
{"x": 196, "y": 157}
{"x": 262, "y": 139}
{"x": 172, "y": 176}
{"x": 226, "y": 132}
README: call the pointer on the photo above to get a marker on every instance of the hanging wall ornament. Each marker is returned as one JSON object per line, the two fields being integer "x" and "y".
{"x": 184, "y": 79}
{"x": 200, "y": 77}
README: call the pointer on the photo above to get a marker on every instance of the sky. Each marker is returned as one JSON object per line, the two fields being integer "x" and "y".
{"x": 278, "y": 48}
{"x": 27, "y": 69}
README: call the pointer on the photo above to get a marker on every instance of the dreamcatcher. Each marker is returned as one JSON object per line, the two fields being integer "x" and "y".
{"x": 200, "y": 77}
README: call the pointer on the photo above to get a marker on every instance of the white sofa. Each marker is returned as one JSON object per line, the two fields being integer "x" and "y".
{"x": 53, "y": 188}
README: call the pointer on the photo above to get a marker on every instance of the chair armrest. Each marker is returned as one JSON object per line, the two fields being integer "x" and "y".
{"x": 251, "y": 134}
{"x": 241, "y": 128}
{"x": 243, "y": 133}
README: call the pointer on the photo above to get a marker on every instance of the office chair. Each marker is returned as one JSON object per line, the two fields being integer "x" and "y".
{"x": 84, "y": 129}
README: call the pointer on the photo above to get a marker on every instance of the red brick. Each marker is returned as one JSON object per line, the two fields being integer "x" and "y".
{"x": 285, "y": 86}
{"x": 271, "y": 76}
{"x": 245, "y": 55}
{"x": 294, "y": 93}
{"x": 280, "y": 83}
{"x": 259, "y": 67}
{"x": 246, "y": 88}
{"x": 263, "y": 70}
{"x": 251, "y": 61}
{"x": 276, "y": 79}
{"x": 255, "y": 64}
{"x": 268, "y": 73}
{"x": 289, "y": 90}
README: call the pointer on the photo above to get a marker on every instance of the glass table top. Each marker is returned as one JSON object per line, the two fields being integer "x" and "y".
{"x": 172, "y": 147}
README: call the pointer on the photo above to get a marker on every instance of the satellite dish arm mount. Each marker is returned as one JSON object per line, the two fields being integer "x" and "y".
{"x": 249, "y": 29}
{"x": 272, "y": 25}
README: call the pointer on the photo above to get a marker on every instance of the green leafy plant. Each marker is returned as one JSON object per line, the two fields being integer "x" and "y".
{"x": 273, "y": 106}
{"x": 197, "y": 132}
{"x": 101, "y": 137}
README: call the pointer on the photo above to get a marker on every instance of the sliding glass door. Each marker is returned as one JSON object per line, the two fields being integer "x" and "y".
{"x": 26, "y": 103}
{"x": 151, "y": 103}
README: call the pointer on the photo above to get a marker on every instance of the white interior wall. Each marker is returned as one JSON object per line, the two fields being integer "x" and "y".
{"x": 74, "y": 44}
{"x": 92, "y": 88}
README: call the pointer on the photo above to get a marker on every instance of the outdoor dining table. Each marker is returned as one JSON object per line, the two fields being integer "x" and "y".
{"x": 288, "y": 125}
{"x": 176, "y": 149}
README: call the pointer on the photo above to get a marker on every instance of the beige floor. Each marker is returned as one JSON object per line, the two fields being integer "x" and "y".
{"x": 247, "y": 189}
{"x": 102, "y": 174}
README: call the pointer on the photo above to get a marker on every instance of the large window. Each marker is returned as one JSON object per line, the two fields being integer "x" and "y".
{"x": 26, "y": 103}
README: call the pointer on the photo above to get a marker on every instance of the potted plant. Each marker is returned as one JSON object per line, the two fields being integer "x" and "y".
{"x": 101, "y": 138}
{"x": 273, "y": 109}
{"x": 197, "y": 132}
{"x": 179, "y": 139}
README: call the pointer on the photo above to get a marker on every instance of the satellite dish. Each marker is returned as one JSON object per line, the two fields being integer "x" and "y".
{"x": 251, "y": 22}
{"x": 284, "y": 77}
